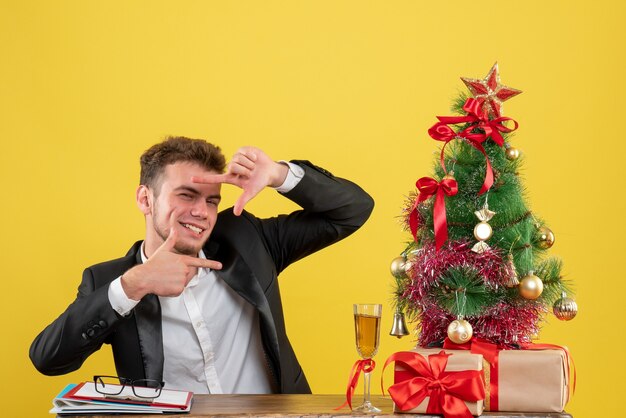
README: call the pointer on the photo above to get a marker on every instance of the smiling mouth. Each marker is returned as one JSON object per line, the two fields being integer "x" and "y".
{"x": 193, "y": 228}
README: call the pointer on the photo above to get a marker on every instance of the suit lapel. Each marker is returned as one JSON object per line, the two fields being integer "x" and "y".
{"x": 148, "y": 317}
{"x": 148, "y": 320}
{"x": 239, "y": 276}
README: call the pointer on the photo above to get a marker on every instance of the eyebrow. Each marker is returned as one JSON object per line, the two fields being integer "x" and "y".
{"x": 196, "y": 192}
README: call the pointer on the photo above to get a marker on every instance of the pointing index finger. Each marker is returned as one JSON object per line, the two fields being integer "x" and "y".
{"x": 203, "y": 262}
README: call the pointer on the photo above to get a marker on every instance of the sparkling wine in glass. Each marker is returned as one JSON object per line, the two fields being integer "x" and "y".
{"x": 367, "y": 333}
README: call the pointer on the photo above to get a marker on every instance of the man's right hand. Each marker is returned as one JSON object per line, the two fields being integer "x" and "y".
{"x": 166, "y": 273}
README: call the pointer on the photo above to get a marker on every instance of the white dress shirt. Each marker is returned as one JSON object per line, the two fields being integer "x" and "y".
{"x": 211, "y": 335}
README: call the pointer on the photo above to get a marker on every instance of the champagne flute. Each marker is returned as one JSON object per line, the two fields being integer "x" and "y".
{"x": 367, "y": 332}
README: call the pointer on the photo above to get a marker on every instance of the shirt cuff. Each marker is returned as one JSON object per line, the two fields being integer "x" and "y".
{"x": 294, "y": 175}
{"x": 120, "y": 303}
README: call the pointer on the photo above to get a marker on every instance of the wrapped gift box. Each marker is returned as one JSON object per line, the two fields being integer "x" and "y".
{"x": 531, "y": 381}
{"x": 460, "y": 360}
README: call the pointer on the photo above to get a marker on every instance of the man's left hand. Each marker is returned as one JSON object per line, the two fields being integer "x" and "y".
{"x": 250, "y": 169}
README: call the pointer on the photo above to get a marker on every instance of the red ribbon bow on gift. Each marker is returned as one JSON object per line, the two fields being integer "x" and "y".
{"x": 447, "y": 391}
{"x": 491, "y": 353}
{"x": 491, "y": 129}
{"x": 367, "y": 366}
{"x": 430, "y": 187}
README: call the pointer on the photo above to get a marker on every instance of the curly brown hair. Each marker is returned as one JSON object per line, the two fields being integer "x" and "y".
{"x": 176, "y": 149}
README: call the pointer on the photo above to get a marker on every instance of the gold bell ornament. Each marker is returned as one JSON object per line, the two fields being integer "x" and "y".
{"x": 531, "y": 286}
{"x": 565, "y": 308}
{"x": 399, "y": 328}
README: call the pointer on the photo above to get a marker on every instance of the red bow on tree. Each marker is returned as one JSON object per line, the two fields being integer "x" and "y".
{"x": 477, "y": 119}
{"x": 430, "y": 187}
{"x": 447, "y": 391}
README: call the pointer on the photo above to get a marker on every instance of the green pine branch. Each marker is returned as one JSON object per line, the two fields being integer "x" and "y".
{"x": 462, "y": 292}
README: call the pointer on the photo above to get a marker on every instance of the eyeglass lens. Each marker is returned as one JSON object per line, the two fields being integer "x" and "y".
{"x": 109, "y": 385}
{"x": 147, "y": 388}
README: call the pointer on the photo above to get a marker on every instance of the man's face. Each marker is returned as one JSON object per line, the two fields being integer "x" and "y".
{"x": 190, "y": 208}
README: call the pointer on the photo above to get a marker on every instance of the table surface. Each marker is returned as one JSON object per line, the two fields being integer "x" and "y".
{"x": 309, "y": 406}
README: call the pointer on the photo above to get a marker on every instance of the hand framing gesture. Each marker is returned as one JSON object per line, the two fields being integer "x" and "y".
{"x": 252, "y": 170}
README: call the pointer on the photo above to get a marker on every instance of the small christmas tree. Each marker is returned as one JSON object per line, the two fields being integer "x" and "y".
{"x": 477, "y": 264}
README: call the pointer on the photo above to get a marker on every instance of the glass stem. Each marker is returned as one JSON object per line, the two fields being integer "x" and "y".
{"x": 366, "y": 388}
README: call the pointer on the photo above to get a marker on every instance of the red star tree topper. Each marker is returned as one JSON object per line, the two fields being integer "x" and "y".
{"x": 490, "y": 91}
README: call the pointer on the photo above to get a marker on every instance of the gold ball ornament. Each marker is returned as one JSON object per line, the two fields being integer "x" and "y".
{"x": 565, "y": 308}
{"x": 545, "y": 237}
{"x": 483, "y": 231}
{"x": 460, "y": 331}
{"x": 511, "y": 153}
{"x": 531, "y": 286}
{"x": 398, "y": 268}
{"x": 449, "y": 176}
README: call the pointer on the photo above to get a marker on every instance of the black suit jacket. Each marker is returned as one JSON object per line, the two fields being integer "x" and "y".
{"x": 252, "y": 251}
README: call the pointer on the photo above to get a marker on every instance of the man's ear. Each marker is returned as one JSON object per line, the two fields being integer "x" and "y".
{"x": 144, "y": 199}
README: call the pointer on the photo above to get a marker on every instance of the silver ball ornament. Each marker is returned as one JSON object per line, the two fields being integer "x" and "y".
{"x": 565, "y": 308}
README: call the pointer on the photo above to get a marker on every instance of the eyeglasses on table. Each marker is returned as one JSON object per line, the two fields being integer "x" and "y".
{"x": 114, "y": 385}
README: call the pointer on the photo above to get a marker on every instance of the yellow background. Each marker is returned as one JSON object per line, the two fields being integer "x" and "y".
{"x": 86, "y": 86}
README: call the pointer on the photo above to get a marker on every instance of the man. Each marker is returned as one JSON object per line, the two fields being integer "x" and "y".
{"x": 197, "y": 304}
